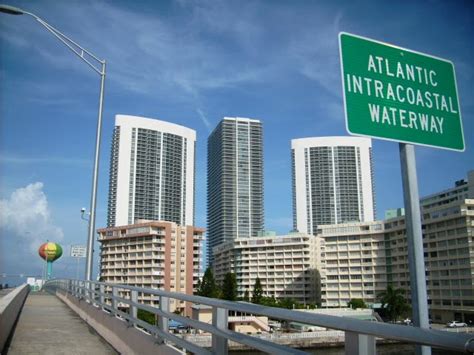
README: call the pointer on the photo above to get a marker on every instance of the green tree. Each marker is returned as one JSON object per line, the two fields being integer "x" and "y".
{"x": 394, "y": 304}
{"x": 269, "y": 301}
{"x": 146, "y": 316}
{"x": 355, "y": 303}
{"x": 207, "y": 286}
{"x": 229, "y": 287}
{"x": 246, "y": 296}
{"x": 288, "y": 303}
{"x": 257, "y": 292}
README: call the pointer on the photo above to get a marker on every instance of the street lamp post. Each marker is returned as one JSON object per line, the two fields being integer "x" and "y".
{"x": 99, "y": 68}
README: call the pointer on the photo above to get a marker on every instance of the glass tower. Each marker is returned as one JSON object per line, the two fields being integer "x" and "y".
{"x": 234, "y": 181}
{"x": 151, "y": 172}
{"x": 332, "y": 181}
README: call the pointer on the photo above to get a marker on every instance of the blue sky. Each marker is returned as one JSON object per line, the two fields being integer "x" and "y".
{"x": 192, "y": 63}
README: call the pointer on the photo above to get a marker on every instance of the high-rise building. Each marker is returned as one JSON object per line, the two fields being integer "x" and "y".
{"x": 288, "y": 266}
{"x": 234, "y": 181}
{"x": 151, "y": 172}
{"x": 152, "y": 254}
{"x": 332, "y": 181}
{"x": 462, "y": 189}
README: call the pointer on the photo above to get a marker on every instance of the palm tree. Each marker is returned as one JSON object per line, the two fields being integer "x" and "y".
{"x": 394, "y": 303}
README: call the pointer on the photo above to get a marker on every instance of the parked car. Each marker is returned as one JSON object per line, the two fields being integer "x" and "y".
{"x": 456, "y": 324}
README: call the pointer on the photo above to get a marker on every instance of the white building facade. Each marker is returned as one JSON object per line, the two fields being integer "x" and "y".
{"x": 448, "y": 245}
{"x": 288, "y": 266}
{"x": 462, "y": 189}
{"x": 362, "y": 258}
{"x": 151, "y": 172}
{"x": 332, "y": 181}
{"x": 355, "y": 261}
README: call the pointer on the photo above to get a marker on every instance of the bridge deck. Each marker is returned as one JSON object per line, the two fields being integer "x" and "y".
{"x": 47, "y": 326}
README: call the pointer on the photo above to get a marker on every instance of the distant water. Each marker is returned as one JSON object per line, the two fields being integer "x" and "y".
{"x": 383, "y": 349}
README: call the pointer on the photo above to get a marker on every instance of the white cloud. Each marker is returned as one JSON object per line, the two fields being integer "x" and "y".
{"x": 16, "y": 159}
{"x": 151, "y": 53}
{"x": 204, "y": 119}
{"x": 26, "y": 217}
{"x": 316, "y": 51}
{"x": 190, "y": 54}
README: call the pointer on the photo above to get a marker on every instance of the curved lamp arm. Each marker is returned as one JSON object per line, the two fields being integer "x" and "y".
{"x": 78, "y": 50}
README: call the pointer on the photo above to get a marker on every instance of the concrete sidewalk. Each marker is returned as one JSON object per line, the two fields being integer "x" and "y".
{"x": 48, "y": 326}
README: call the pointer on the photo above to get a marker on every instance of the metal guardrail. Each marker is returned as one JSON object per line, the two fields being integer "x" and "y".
{"x": 359, "y": 335}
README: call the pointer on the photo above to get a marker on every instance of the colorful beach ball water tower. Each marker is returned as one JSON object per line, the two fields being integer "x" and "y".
{"x": 50, "y": 252}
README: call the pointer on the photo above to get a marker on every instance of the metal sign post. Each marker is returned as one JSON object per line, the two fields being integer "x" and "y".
{"x": 416, "y": 263}
{"x": 77, "y": 268}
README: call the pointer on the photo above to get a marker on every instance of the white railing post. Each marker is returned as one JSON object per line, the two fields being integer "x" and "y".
{"x": 81, "y": 289}
{"x": 133, "y": 308}
{"x": 92, "y": 292}
{"x": 359, "y": 344}
{"x": 114, "y": 300}
{"x": 163, "y": 321}
{"x": 102, "y": 297}
{"x": 220, "y": 321}
{"x": 96, "y": 294}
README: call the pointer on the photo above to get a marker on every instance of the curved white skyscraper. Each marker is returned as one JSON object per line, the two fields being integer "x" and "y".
{"x": 151, "y": 172}
{"x": 332, "y": 181}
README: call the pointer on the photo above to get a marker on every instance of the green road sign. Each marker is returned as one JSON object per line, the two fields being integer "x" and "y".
{"x": 397, "y": 94}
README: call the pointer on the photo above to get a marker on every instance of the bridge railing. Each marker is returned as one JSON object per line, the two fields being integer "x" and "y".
{"x": 122, "y": 301}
